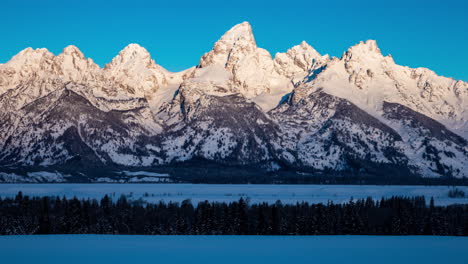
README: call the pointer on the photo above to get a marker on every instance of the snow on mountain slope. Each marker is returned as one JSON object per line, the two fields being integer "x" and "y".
{"x": 326, "y": 132}
{"x": 32, "y": 74}
{"x": 131, "y": 74}
{"x": 430, "y": 146}
{"x": 367, "y": 78}
{"x": 373, "y": 82}
{"x": 227, "y": 129}
{"x": 360, "y": 114}
{"x": 134, "y": 69}
{"x": 237, "y": 65}
{"x": 322, "y": 131}
{"x": 65, "y": 127}
{"x": 298, "y": 61}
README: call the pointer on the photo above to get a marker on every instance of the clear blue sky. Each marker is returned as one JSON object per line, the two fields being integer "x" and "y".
{"x": 426, "y": 33}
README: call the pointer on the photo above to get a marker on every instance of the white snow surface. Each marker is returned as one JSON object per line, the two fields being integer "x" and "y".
{"x": 145, "y": 173}
{"x": 34, "y": 177}
{"x": 228, "y": 192}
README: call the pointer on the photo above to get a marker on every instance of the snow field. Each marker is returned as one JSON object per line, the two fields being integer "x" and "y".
{"x": 232, "y": 192}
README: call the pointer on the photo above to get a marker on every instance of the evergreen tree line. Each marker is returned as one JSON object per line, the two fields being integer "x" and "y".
{"x": 391, "y": 216}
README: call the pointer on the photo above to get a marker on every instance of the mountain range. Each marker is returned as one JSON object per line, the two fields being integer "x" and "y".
{"x": 298, "y": 111}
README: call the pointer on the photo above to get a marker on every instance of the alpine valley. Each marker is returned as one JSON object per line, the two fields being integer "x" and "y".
{"x": 238, "y": 111}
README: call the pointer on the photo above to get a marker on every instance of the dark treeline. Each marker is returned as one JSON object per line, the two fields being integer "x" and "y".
{"x": 209, "y": 172}
{"x": 392, "y": 216}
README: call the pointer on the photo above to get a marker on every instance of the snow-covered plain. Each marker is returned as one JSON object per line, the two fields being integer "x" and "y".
{"x": 232, "y": 249}
{"x": 230, "y": 192}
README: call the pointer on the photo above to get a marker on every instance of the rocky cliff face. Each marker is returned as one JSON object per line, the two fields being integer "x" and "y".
{"x": 361, "y": 113}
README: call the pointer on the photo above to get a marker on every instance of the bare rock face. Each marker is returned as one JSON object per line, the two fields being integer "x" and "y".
{"x": 361, "y": 113}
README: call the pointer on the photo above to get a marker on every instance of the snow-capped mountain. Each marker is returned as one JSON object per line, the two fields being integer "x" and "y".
{"x": 299, "y": 110}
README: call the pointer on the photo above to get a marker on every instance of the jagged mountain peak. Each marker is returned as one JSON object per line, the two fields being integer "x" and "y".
{"x": 29, "y": 56}
{"x": 239, "y": 106}
{"x": 136, "y": 72}
{"x": 134, "y": 49}
{"x": 232, "y": 47}
{"x": 237, "y": 65}
{"x": 304, "y": 47}
{"x": 299, "y": 60}
{"x": 240, "y": 32}
{"x": 73, "y": 51}
{"x": 367, "y": 78}
{"x": 305, "y": 52}
{"x": 131, "y": 54}
{"x": 42, "y": 59}
{"x": 367, "y": 49}
{"x": 304, "y": 44}
{"x": 72, "y": 65}
{"x": 369, "y": 45}
{"x": 30, "y": 50}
